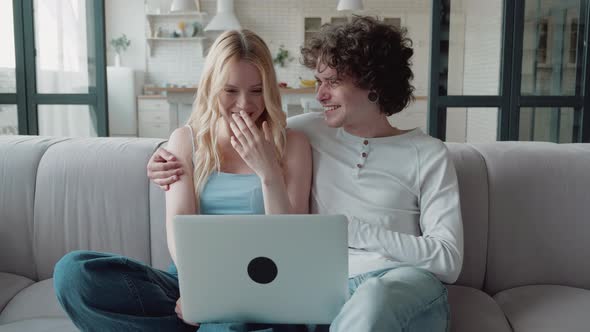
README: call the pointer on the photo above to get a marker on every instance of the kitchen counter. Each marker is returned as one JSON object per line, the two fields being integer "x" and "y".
{"x": 181, "y": 98}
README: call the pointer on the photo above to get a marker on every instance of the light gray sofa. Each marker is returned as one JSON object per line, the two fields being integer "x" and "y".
{"x": 526, "y": 213}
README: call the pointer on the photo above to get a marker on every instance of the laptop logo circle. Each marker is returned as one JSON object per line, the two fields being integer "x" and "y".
{"x": 262, "y": 270}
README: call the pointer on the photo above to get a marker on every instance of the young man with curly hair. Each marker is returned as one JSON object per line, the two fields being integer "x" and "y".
{"x": 398, "y": 188}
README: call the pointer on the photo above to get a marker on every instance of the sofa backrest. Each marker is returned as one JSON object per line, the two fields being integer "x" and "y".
{"x": 60, "y": 195}
{"x": 539, "y": 214}
{"x": 525, "y": 207}
{"x": 19, "y": 160}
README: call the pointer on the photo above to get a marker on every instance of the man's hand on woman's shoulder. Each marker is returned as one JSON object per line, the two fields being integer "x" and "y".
{"x": 163, "y": 168}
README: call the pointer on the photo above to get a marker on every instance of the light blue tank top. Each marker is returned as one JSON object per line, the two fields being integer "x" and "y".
{"x": 227, "y": 193}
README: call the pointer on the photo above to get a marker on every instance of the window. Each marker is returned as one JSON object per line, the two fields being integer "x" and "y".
{"x": 542, "y": 41}
{"x": 542, "y": 93}
{"x": 59, "y": 85}
{"x": 573, "y": 45}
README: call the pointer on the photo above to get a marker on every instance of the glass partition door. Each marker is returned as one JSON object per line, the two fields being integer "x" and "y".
{"x": 58, "y": 66}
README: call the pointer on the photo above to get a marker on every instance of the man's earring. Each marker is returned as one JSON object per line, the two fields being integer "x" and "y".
{"x": 373, "y": 97}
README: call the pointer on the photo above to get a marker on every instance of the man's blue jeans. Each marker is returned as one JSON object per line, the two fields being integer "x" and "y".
{"x": 106, "y": 292}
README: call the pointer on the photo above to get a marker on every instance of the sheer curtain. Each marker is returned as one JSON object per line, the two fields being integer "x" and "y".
{"x": 8, "y": 115}
{"x": 64, "y": 65}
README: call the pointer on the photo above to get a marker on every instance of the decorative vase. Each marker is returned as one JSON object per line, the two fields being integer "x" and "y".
{"x": 117, "y": 60}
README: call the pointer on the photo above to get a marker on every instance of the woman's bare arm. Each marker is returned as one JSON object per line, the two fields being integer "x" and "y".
{"x": 295, "y": 185}
{"x": 180, "y": 198}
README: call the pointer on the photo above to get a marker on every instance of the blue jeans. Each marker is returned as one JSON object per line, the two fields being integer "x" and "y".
{"x": 107, "y": 292}
{"x": 399, "y": 299}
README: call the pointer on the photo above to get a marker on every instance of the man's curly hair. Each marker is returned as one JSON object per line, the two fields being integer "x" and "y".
{"x": 376, "y": 55}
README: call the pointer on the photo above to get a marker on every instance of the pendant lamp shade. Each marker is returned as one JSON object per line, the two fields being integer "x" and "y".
{"x": 350, "y": 5}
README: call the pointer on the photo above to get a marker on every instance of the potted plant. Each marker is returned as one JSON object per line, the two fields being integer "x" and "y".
{"x": 120, "y": 45}
{"x": 282, "y": 56}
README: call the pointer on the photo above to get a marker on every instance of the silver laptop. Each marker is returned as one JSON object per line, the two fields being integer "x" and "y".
{"x": 289, "y": 269}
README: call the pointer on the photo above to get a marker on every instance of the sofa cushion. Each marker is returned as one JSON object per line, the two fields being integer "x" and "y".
{"x": 10, "y": 285}
{"x": 539, "y": 226}
{"x": 473, "y": 191}
{"x": 542, "y": 308}
{"x": 35, "y": 301}
{"x": 19, "y": 159}
{"x": 474, "y": 310}
{"x": 41, "y": 325}
{"x": 92, "y": 201}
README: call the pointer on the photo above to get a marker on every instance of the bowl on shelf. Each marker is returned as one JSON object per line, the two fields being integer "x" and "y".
{"x": 307, "y": 83}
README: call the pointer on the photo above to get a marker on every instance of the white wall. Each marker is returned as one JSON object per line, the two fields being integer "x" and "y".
{"x": 126, "y": 17}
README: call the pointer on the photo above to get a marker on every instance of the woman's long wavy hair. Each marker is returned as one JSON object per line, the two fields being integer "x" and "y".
{"x": 229, "y": 47}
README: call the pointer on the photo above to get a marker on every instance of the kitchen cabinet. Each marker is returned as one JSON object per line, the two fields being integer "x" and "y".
{"x": 311, "y": 27}
{"x": 159, "y": 115}
{"x": 395, "y": 21}
{"x": 155, "y": 116}
{"x": 312, "y": 24}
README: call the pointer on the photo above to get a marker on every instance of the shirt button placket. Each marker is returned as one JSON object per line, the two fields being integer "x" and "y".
{"x": 362, "y": 156}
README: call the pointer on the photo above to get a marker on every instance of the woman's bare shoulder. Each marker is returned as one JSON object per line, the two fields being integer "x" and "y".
{"x": 297, "y": 148}
{"x": 180, "y": 143}
{"x": 296, "y": 138}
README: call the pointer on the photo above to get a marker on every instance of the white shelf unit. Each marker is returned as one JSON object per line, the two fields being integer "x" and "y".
{"x": 152, "y": 41}
{"x": 201, "y": 38}
{"x": 155, "y": 21}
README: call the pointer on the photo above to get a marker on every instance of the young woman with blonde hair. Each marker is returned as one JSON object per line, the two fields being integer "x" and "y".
{"x": 238, "y": 158}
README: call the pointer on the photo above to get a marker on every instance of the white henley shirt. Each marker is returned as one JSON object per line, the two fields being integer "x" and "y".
{"x": 399, "y": 193}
